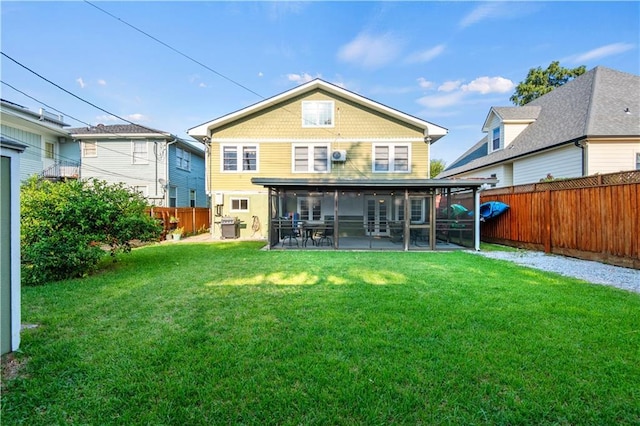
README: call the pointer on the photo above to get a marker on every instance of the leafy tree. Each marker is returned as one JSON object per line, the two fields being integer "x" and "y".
{"x": 436, "y": 166}
{"x": 540, "y": 82}
{"x": 65, "y": 225}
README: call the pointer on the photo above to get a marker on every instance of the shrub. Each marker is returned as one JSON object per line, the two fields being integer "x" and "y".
{"x": 66, "y": 225}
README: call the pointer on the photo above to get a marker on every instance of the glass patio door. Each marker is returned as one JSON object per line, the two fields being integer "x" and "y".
{"x": 377, "y": 216}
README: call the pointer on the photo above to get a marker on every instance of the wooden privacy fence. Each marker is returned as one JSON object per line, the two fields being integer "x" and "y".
{"x": 194, "y": 220}
{"x": 593, "y": 218}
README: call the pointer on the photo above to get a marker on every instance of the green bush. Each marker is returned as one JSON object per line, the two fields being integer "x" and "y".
{"x": 66, "y": 226}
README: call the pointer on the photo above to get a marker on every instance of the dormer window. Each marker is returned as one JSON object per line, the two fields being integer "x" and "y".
{"x": 317, "y": 113}
{"x": 495, "y": 140}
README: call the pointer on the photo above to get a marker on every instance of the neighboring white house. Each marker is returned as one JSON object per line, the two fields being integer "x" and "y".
{"x": 46, "y": 138}
{"x": 167, "y": 170}
{"x": 587, "y": 126}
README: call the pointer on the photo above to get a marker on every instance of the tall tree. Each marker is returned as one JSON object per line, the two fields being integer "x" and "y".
{"x": 540, "y": 82}
{"x": 436, "y": 166}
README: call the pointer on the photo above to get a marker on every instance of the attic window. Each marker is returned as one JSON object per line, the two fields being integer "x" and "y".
{"x": 495, "y": 144}
{"x": 317, "y": 114}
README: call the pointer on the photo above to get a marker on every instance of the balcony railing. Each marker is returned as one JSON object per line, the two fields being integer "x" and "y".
{"x": 62, "y": 170}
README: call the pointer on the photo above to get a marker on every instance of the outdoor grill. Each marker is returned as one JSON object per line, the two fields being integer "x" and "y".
{"x": 230, "y": 227}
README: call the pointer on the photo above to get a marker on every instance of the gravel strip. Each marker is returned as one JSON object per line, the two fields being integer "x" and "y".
{"x": 593, "y": 272}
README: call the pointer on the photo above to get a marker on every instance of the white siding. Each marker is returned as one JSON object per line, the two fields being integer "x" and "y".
{"x": 114, "y": 164}
{"x": 511, "y": 131}
{"x": 503, "y": 172}
{"x": 562, "y": 162}
{"x": 609, "y": 157}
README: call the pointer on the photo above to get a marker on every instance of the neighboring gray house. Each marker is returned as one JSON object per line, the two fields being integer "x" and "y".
{"x": 46, "y": 138}
{"x": 167, "y": 170}
{"x": 10, "y": 153}
{"x": 589, "y": 125}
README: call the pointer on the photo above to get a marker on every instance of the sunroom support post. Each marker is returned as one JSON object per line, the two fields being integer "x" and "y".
{"x": 270, "y": 218}
{"x": 476, "y": 219}
{"x": 407, "y": 220}
{"x": 335, "y": 219}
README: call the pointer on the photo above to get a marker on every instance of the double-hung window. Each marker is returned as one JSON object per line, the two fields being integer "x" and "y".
{"x": 90, "y": 149}
{"x": 391, "y": 158}
{"x": 317, "y": 113}
{"x": 239, "y": 158}
{"x": 311, "y": 158}
{"x": 49, "y": 150}
{"x": 495, "y": 139}
{"x": 140, "y": 150}
{"x": 183, "y": 159}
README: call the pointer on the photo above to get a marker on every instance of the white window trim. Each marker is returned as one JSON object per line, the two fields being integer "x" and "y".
{"x": 391, "y": 147}
{"x": 239, "y": 149}
{"x": 184, "y": 151}
{"x": 241, "y": 210}
{"x": 83, "y": 151}
{"x": 311, "y": 125}
{"x": 310, "y": 160}
{"x": 500, "y": 145}
{"x": 141, "y": 160}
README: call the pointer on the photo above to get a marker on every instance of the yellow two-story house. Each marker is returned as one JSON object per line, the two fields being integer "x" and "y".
{"x": 321, "y": 166}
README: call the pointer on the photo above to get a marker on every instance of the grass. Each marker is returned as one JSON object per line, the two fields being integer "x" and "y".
{"x": 228, "y": 334}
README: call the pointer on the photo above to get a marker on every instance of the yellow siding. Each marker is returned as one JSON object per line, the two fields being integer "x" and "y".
{"x": 276, "y": 129}
{"x": 285, "y": 121}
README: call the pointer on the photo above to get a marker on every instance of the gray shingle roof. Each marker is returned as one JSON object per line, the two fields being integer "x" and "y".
{"x": 118, "y": 129}
{"x": 591, "y": 105}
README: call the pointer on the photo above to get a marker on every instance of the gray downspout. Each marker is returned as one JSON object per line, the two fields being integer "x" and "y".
{"x": 166, "y": 194}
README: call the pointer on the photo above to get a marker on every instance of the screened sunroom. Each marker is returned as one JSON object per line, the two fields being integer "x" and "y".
{"x": 424, "y": 214}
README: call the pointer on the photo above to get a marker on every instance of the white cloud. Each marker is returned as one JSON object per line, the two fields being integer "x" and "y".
{"x": 370, "y": 51}
{"x": 456, "y": 93}
{"x": 106, "y": 118}
{"x": 425, "y": 55}
{"x": 137, "y": 117}
{"x": 102, "y": 82}
{"x": 260, "y": 74}
{"x": 499, "y": 10}
{"x": 301, "y": 78}
{"x": 604, "y": 51}
{"x": 202, "y": 85}
{"x": 81, "y": 82}
{"x": 449, "y": 86}
{"x": 441, "y": 101}
{"x": 424, "y": 83}
{"x": 485, "y": 85}
{"x": 482, "y": 12}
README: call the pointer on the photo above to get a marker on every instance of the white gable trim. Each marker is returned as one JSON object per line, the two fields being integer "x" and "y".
{"x": 430, "y": 129}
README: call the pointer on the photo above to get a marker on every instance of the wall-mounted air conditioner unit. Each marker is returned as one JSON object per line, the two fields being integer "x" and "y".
{"x": 339, "y": 156}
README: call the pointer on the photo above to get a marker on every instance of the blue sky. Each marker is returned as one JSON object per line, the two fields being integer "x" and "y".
{"x": 445, "y": 62}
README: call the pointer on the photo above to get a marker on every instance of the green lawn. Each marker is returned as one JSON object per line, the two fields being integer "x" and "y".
{"x": 200, "y": 334}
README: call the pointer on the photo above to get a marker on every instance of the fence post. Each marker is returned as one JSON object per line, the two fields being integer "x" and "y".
{"x": 547, "y": 222}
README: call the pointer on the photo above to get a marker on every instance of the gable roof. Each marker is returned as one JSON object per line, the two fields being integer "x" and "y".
{"x": 434, "y": 131}
{"x": 523, "y": 114}
{"x": 118, "y": 130}
{"x": 592, "y": 105}
{"x": 115, "y": 131}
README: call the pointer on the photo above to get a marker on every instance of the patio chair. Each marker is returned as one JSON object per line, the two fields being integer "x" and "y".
{"x": 327, "y": 236}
